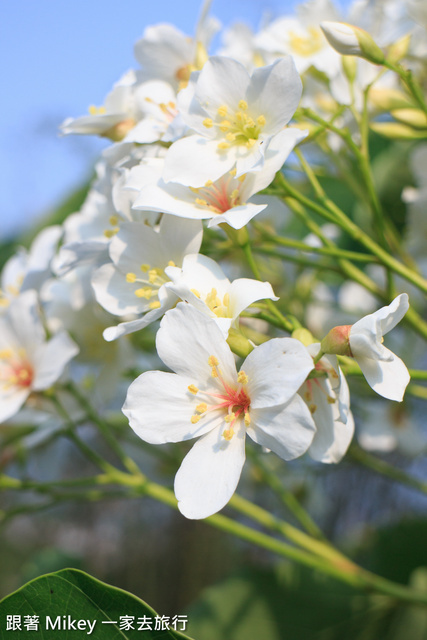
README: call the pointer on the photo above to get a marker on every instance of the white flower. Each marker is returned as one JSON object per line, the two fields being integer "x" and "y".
{"x": 166, "y": 53}
{"x": 226, "y": 199}
{"x": 302, "y": 38}
{"x": 134, "y": 111}
{"x": 28, "y": 269}
{"x": 234, "y": 115}
{"x": 207, "y": 398}
{"x": 27, "y": 361}
{"x": 202, "y": 283}
{"x": 133, "y": 282}
{"x": 383, "y": 370}
{"x": 328, "y": 399}
{"x": 115, "y": 118}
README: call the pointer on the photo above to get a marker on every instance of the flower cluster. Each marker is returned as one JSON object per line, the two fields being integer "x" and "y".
{"x": 199, "y": 146}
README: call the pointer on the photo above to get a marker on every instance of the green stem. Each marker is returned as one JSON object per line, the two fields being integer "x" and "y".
{"x": 104, "y": 428}
{"x": 383, "y": 468}
{"x": 332, "y": 213}
{"x": 286, "y": 496}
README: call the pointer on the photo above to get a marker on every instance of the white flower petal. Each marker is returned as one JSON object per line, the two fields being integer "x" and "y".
{"x": 222, "y": 81}
{"x": 209, "y": 474}
{"x": 11, "y": 403}
{"x": 159, "y": 407}
{"x": 186, "y": 340}
{"x": 245, "y": 291}
{"x": 275, "y": 92}
{"x": 195, "y": 160}
{"x": 287, "y": 429}
{"x": 124, "y": 328}
{"x": 51, "y": 358}
{"x": 237, "y": 217}
{"x": 276, "y": 370}
{"x": 387, "y": 378}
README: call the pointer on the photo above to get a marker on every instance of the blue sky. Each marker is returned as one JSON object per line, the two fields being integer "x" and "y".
{"x": 58, "y": 58}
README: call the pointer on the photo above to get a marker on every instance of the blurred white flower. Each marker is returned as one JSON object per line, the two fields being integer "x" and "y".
{"x": 28, "y": 362}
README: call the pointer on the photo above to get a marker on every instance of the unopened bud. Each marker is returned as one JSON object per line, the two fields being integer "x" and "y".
{"x": 413, "y": 117}
{"x": 352, "y": 41}
{"x": 349, "y": 65}
{"x": 239, "y": 345}
{"x": 304, "y": 336}
{"x": 398, "y": 131}
{"x": 337, "y": 341}
{"x": 399, "y": 49}
{"x": 387, "y": 99}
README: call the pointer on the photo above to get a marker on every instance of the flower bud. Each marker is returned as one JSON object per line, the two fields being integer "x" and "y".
{"x": 385, "y": 99}
{"x": 399, "y": 49}
{"x": 304, "y": 336}
{"x": 413, "y": 117}
{"x": 352, "y": 41}
{"x": 398, "y": 131}
{"x": 239, "y": 345}
{"x": 349, "y": 65}
{"x": 337, "y": 341}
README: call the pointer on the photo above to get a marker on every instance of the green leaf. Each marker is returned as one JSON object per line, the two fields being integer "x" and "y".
{"x": 74, "y": 595}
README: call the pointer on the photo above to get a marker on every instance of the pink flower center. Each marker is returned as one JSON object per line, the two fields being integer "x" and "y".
{"x": 15, "y": 370}
{"x": 232, "y": 400}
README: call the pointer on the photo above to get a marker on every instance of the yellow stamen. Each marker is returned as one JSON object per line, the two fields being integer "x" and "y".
{"x": 242, "y": 377}
{"x": 231, "y": 136}
{"x": 224, "y": 125}
{"x": 6, "y": 354}
{"x": 222, "y": 110}
{"x": 152, "y": 276}
{"x": 171, "y": 263}
{"x": 226, "y": 300}
{"x": 109, "y": 233}
{"x": 145, "y": 268}
{"x": 243, "y": 105}
{"x": 212, "y": 361}
{"x": 233, "y": 172}
{"x": 201, "y": 202}
{"x": 201, "y": 408}
{"x": 208, "y": 183}
{"x": 223, "y": 145}
{"x": 144, "y": 292}
{"x": 207, "y": 122}
{"x": 261, "y": 120}
{"x": 230, "y": 417}
{"x": 195, "y": 419}
{"x": 193, "y": 389}
{"x": 196, "y": 293}
{"x": 241, "y": 178}
{"x": 113, "y": 220}
{"x": 228, "y": 434}
{"x": 247, "y": 419}
{"x": 154, "y": 305}
{"x": 130, "y": 277}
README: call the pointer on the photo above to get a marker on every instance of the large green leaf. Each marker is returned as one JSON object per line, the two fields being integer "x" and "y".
{"x": 73, "y": 595}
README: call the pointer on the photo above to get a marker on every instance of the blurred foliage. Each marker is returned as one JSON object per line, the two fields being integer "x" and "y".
{"x": 290, "y": 602}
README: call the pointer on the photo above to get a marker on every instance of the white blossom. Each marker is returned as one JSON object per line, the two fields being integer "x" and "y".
{"x": 234, "y": 115}
{"x": 28, "y": 362}
{"x": 207, "y": 398}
